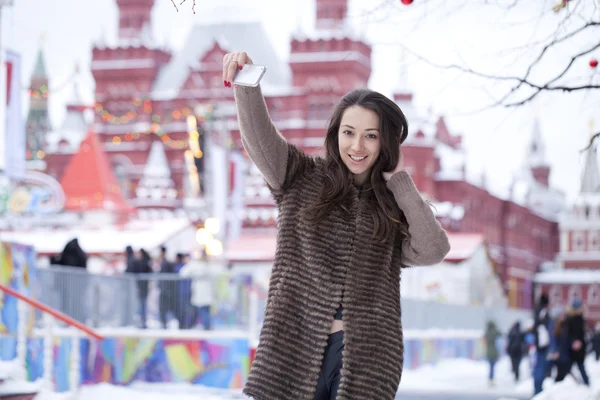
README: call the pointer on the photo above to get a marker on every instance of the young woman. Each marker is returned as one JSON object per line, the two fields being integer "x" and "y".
{"x": 560, "y": 348}
{"x": 347, "y": 224}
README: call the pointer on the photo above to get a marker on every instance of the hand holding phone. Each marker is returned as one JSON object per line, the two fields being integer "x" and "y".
{"x": 249, "y": 75}
{"x": 239, "y": 70}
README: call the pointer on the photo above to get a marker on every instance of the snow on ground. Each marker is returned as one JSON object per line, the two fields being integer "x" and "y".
{"x": 449, "y": 376}
{"x": 572, "y": 390}
{"x": 467, "y": 376}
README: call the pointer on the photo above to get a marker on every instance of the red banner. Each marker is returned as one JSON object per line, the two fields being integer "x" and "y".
{"x": 8, "y": 80}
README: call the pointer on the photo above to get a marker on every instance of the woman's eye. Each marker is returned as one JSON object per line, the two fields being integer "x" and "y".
{"x": 347, "y": 132}
{"x": 372, "y": 136}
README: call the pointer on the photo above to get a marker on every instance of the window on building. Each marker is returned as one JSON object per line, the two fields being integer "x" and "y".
{"x": 555, "y": 294}
{"x": 313, "y": 111}
{"x": 593, "y": 241}
{"x": 122, "y": 179}
{"x": 587, "y": 212}
{"x": 593, "y": 297}
{"x": 574, "y": 293}
{"x": 512, "y": 221}
{"x": 578, "y": 241}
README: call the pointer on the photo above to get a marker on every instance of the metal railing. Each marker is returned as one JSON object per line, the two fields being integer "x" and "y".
{"x": 156, "y": 300}
{"x": 50, "y": 316}
{"x": 167, "y": 300}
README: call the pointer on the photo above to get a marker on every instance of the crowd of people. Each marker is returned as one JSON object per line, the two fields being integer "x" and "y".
{"x": 186, "y": 293}
{"x": 554, "y": 341}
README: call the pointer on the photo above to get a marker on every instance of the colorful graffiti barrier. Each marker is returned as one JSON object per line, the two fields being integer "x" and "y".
{"x": 220, "y": 363}
{"x": 17, "y": 271}
{"x": 419, "y": 352}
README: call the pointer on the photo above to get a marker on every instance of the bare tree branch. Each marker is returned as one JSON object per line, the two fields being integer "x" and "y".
{"x": 566, "y": 32}
{"x": 555, "y": 42}
{"x": 592, "y": 139}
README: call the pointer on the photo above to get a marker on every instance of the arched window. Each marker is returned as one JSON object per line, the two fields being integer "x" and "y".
{"x": 593, "y": 295}
{"x": 122, "y": 179}
{"x": 593, "y": 241}
{"x": 578, "y": 241}
{"x": 574, "y": 293}
{"x": 556, "y": 294}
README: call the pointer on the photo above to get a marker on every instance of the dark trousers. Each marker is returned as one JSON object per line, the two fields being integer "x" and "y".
{"x": 539, "y": 370}
{"x": 515, "y": 361}
{"x": 580, "y": 364}
{"x": 562, "y": 370}
{"x": 165, "y": 304}
{"x": 329, "y": 379}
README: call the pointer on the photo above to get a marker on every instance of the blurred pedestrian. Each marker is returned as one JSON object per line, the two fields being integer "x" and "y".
{"x": 491, "y": 348}
{"x": 541, "y": 332}
{"x": 141, "y": 264}
{"x": 198, "y": 269}
{"x": 514, "y": 348}
{"x": 596, "y": 341}
{"x": 576, "y": 332}
{"x": 560, "y": 350}
{"x": 167, "y": 300}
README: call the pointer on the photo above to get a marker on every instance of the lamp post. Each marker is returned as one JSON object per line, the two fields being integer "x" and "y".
{"x": 205, "y": 238}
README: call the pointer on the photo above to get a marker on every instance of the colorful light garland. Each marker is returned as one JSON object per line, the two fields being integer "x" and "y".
{"x": 204, "y": 113}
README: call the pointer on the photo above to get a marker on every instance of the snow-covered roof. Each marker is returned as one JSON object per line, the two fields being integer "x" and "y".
{"x": 156, "y": 184}
{"x": 449, "y": 210}
{"x": 540, "y": 199}
{"x": 451, "y": 160}
{"x": 148, "y": 234}
{"x": 463, "y": 245}
{"x": 74, "y": 127}
{"x": 238, "y": 36}
{"x": 569, "y": 276}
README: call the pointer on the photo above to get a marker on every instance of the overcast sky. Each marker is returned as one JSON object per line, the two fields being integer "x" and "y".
{"x": 482, "y": 37}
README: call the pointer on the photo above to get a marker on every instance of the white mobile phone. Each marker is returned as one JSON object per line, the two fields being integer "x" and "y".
{"x": 249, "y": 75}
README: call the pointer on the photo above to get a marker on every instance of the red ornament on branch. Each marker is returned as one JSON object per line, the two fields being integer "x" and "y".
{"x": 593, "y": 63}
{"x": 406, "y": 2}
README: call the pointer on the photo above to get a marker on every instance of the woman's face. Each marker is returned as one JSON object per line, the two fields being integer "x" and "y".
{"x": 359, "y": 141}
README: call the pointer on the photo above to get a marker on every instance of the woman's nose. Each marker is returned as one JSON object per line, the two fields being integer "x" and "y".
{"x": 357, "y": 144}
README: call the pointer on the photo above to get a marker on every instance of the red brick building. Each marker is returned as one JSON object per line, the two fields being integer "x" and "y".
{"x": 576, "y": 271}
{"x": 145, "y": 94}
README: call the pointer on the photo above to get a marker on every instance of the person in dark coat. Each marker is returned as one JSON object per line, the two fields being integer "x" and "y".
{"x": 129, "y": 257}
{"x": 70, "y": 284}
{"x": 596, "y": 342}
{"x": 541, "y": 332}
{"x": 141, "y": 265}
{"x": 514, "y": 347}
{"x": 576, "y": 331}
{"x": 168, "y": 288}
{"x": 73, "y": 255}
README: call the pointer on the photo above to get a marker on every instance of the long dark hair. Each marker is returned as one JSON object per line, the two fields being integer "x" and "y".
{"x": 393, "y": 130}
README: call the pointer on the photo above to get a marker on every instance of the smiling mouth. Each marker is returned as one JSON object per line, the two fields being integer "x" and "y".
{"x": 357, "y": 159}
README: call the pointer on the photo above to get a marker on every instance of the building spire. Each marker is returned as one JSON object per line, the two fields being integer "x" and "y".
{"x": 331, "y": 14}
{"x": 38, "y": 121}
{"x": 536, "y": 158}
{"x": 39, "y": 70}
{"x": 537, "y": 148}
